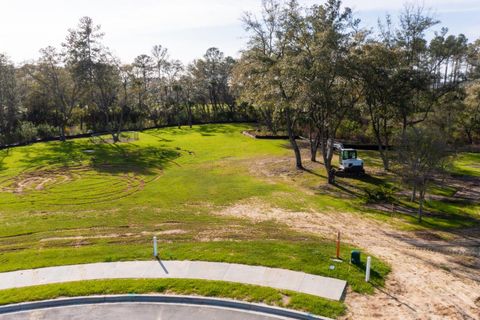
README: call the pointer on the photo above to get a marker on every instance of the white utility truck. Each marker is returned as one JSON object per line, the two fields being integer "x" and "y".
{"x": 349, "y": 163}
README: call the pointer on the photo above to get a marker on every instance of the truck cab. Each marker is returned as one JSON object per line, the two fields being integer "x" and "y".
{"x": 349, "y": 162}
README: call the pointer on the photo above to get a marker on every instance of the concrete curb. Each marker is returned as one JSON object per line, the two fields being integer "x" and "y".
{"x": 165, "y": 299}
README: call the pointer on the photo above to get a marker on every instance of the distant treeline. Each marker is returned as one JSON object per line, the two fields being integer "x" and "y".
{"x": 81, "y": 87}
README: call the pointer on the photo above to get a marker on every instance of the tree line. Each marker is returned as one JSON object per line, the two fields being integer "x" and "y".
{"x": 83, "y": 87}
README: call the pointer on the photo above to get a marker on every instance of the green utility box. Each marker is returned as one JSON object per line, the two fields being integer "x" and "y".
{"x": 355, "y": 257}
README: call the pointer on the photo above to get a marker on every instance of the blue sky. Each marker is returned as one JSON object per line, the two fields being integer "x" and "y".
{"x": 186, "y": 27}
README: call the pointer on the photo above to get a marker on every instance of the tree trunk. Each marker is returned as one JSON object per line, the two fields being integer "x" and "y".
{"x": 420, "y": 211}
{"x": 327, "y": 153}
{"x": 469, "y": 136}
{"x": 314, "y": 144}
{"x": 420, "y": 207}
{"x": 231, "y": 107}
{"x": 385, "y": 160}
{"x": 189, "y": 110}
{"x": 206, "y": 112}
{"x": 116, "y": 133}
{"x": 331, "y": 176}
{"x": 63, "y": 137}
{"x": 414, "y": 193}
{"x": 404, "y": 125}
{"x": 378, "y": 123}
{"x": 115, "y": 137}
{"x": 293, "y": 142}
{"x": 114, "y": 126}
{"x": 384, "y": 148}
{"x": 313, "y": 150}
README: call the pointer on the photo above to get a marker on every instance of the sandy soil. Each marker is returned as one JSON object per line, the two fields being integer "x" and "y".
{"x": 42, "y": 178}
{"x": 35, "y": 181}
{"x": 430, "y": 278}
{"x": 116, "y": 235}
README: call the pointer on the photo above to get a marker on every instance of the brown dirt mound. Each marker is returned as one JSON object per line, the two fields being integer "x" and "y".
{"x": 425, "y": 283}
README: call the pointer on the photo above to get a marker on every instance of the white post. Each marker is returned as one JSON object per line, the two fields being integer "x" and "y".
{"x": 367, "y": 271}
{"x": 155, "y": 248}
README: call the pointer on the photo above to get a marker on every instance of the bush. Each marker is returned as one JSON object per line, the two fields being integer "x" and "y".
{"x": 379, "y": 194}
{"x": 26, "y": 132}
{"x": 46, "y": 131}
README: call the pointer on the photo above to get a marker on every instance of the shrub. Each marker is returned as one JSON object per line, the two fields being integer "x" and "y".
{"x": 379, "y": 194}
{"x": 26, "y": 132}
{"x": 46, "y": 131}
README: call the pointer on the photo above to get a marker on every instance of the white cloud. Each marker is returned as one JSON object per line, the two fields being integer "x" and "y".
{"x": 27, "y": 25}
{"x": 187, "y": 27}
{"x": 393, "y": 5}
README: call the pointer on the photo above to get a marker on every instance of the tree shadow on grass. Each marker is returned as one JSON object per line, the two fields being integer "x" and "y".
{"x": 204, "y": 130}
{"x": 371, "y": 180}
{"x": 454, "y": 211}
{"x": 104, "y": 157}
{"x": 302, "y": 144}
{"x": 157, "y": 134}
{"x": 56, "y": 153}
{"x": 314, "y": 173}
{"x": 132, "y": 158}
{"x": 349, "y": 189}
{"x": 216, "y": 129}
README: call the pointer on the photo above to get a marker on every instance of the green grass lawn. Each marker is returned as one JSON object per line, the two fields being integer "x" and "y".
{"x": 467, "y": 164}
{"x": 441, "y": 214}
{"x": 281, "y": 298}
{"x": 88, "y": 201}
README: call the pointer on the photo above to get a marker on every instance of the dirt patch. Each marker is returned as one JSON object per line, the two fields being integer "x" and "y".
{"x": 427, "y": 235}
{"x": 425, "y": 283}
{"x": 36, "y": 180}
{"x": 226, "y": 233}
{"x": 80, "y": 238}
{"x": 116, "y": 235}
{"x": 280, "y": 167}
{"x": 101, "y": 183}
{"x": 467, "y": 187}
{"x": 165, "y": 232}
{"x": 286, "y": 300}
{"x": 274, "y": 169}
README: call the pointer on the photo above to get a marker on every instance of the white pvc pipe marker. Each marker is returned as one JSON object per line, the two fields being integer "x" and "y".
{"x": 367, "y": 271}
{"x": 155, "y": 248}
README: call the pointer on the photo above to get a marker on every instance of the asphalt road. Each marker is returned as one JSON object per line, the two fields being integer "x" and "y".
{"x": 138, "y": 311}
